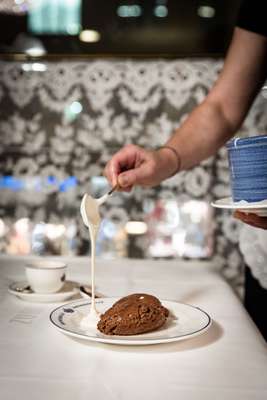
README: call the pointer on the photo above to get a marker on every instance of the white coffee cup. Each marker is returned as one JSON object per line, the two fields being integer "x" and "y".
{"x": 46, "y": 276}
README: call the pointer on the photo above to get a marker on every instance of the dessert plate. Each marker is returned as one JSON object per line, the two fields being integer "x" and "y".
{"x": 185, "y": 322}
{"x": 258, "y": 208}
{"x": 69, "y": 290}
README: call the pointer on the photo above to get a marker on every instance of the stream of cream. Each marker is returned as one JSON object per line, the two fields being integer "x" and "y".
{"x": 93, "y": 218}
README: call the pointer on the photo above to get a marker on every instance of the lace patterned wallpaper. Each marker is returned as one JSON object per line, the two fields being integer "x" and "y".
{"x": 122, "y": 102}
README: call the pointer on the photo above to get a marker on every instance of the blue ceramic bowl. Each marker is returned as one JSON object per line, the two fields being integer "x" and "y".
{"x": 248, "y": 168}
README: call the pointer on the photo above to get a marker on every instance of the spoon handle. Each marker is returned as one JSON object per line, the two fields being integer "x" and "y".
{"x": 89, "y": 293}
{"x": 103, "y": 198}
{"x": 113, "y": 189}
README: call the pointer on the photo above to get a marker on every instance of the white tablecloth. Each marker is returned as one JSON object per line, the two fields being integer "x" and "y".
{"x": 37, "y": 362}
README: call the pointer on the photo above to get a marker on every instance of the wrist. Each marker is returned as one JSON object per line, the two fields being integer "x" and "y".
{"x": 171, "y": 159}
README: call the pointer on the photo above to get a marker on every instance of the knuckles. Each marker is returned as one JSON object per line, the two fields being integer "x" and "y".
{"x": 131, "y": 146}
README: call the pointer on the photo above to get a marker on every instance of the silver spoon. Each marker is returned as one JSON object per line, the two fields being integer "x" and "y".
{"x": 89, "y": 294}
{"x": 88, "y": 201}
{"x": 25, "y": 289}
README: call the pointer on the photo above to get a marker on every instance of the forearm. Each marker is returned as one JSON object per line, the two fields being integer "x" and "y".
{"x": 202, "y": 134}
{"x": 221, "y": 114}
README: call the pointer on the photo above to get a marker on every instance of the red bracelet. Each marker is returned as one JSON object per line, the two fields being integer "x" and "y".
{"x": 177, "y": 155}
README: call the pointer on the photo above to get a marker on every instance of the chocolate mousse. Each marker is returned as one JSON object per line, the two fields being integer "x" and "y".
{"x": 132, "y": 315}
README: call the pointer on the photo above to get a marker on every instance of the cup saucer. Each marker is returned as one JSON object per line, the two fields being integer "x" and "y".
{"x": 69, "y": 290}
{"x": 259, "y": 207}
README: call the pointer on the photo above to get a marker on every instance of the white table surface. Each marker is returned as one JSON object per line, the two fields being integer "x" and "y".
{"x": 38, "y": 362}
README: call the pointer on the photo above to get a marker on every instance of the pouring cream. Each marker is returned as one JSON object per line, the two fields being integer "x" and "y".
{"x": 91, "y": 218}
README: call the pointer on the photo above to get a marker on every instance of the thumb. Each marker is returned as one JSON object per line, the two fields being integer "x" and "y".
{"x": 129, "y": 178}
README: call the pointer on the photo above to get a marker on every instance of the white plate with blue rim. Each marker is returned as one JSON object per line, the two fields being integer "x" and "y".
{"x": 185, "y": 322}
{"x": 259, "y": 208}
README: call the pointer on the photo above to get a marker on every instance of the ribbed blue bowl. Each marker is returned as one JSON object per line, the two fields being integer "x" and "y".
{"x": 248, "y": 168}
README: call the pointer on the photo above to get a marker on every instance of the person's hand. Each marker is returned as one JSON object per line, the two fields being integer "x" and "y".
{"x": 251, "y": 219}
{"x": 133, "y": 165}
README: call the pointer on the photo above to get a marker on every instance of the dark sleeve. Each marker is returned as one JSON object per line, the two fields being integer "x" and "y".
{"x": 253, "y": 16}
